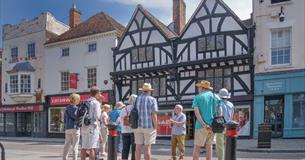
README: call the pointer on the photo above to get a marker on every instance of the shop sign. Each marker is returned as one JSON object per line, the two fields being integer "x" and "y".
{"x": 274, "y": 86}
{"x": 64, "y": 100}
{"x": 164, "y": 125}
{"x": 73, "y": 80}
{"x": 30, "y": 108}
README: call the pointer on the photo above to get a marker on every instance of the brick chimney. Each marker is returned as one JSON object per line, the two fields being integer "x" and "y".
{"x": 74, "y": 17}
{"x": 178, "y": 15}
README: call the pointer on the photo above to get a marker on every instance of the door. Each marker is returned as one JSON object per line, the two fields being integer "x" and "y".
{"x": 274, "y": 113}
{"x": 24, "y": 124}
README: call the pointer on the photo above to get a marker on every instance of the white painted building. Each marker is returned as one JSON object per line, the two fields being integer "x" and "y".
{"x": 85, "y": 50}
{"x": 22, "y": 73}
{"x": 279, "y": 96}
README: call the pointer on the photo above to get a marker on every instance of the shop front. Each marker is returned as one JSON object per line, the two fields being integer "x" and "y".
{"x": 56, "y": 109}
{"x": 23, "y": 120}
{"x": 280, "y": 101}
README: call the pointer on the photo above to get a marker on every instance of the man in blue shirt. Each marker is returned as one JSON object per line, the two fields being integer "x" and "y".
{"x": 178, "y": 132}
{"x": 227, "y": 112}
{"x": 206, "y": 105}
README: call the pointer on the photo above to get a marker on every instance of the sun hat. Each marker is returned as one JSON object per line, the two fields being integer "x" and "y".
{"x": 224, "y": 93}
{"x": 146, "y": 87}
{"x": 204, "y": 84}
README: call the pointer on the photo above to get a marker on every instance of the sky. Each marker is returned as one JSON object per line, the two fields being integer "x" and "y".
{"x": 13, "y": 11}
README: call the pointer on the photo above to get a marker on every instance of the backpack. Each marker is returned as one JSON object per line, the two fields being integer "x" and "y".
{"x": 126, "y": 118}
{"x": 134, "y": 116}
{"x": 82, "y": 114}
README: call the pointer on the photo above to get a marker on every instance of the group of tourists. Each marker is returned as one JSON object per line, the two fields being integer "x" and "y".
{"x": 93, "y": 127}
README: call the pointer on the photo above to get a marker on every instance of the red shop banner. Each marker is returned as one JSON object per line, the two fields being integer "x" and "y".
{"x": 164, "y": 125}
{"x": 30, "y": 108}
{"x": 73, "y": 80}
{"x": 64, "y": 100}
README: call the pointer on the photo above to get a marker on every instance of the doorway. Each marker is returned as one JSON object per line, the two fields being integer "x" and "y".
{"x": 24, "y": 124}
{"x": 274, "y": 113}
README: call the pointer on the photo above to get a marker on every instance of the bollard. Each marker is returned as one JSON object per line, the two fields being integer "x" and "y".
{"x": 231, "y": 136}
{"x": 112, "y": 141}
{"x": 2, "y": 152}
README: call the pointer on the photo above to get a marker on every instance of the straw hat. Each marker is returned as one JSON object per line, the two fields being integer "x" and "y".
{"x": 224, "y": 93}
{"x": 146, "y": 87}
{"x": 204, "y": 84}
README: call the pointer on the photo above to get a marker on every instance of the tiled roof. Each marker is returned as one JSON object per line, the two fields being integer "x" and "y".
{"x": 247, "y": 22}
{"x": 21, "y": 67}
{"x": 162, "y": 27}
{"x": 98, "y": 23}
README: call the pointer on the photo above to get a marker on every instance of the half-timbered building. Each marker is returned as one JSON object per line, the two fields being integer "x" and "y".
{"x": 214, "y": 45}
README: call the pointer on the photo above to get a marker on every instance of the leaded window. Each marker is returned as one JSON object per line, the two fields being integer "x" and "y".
{"x": 65, "y": 81}
{"x": 91, "y": 77}
{"x": 142, "y": 54}
{"x": 219, "y": 78}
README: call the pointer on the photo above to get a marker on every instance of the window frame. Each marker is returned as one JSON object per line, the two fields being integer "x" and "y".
{"x": 31, "y": 50}
{"x": 136, "y": 52}
{"x": 64, "y": 81}
{"x": 302, "y": 104}
{"x": 91, "y": 81}
{"x": 14, "y": 88}
{"x": 65, "y": 52}
{"x": 92, "y": 47}
{"x": 25, "y": 88}
{"x": 280, "y": 48}
{"x": 279, "y": 1}
{"x": 14, "y": 54}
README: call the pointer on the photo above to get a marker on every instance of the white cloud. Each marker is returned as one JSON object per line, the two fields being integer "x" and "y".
{"x": 162, "y": 8}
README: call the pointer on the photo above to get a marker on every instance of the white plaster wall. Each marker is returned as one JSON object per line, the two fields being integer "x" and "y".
{"x": 265, "y": 17}
{"x": 78, "y": 61}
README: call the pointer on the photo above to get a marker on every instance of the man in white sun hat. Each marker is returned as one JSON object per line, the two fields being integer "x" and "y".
{"x": 227, "y": 112}
{"x": 146, "y": 132}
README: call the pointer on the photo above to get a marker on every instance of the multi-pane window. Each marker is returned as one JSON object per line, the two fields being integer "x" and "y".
{"x": 158, "y": 84}
{"x": 25, "y": 83}
{"x": 143, "y": 54}
{"x": 280, "y": 46}
{"x": 91, "y": 77}
{"x": 65, "y": 79}
{"x": 14, "y": 54}
{"x": 278, "y": 1}
{"x": 210, "y": 43}
{"x": 298, "y": 117}
{"x": 92, "y": 47}
{"x": 65, "y": 52}
{"x": 14, "y": 84}
{"x": 219, "y": 78}
{"x": 31, "y": 50}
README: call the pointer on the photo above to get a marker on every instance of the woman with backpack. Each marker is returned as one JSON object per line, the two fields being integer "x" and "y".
{"x": 72, "y": 132}
{"x": 127, "y": 133}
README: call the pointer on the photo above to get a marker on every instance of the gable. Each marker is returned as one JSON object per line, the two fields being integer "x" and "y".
{"x": 213, "y": 17}
{"x": 141, "y": 31}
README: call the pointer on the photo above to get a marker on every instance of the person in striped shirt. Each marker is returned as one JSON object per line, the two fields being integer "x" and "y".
{"x": 146, "y": 132}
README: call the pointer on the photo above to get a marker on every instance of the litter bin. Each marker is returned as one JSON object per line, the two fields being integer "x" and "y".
{"x": 264, "y": 136}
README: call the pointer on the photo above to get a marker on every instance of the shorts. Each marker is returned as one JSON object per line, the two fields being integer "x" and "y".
{"x": 146, "y": 136}
{"x": 90, "y": 137}
{"x": 203, "y": 137}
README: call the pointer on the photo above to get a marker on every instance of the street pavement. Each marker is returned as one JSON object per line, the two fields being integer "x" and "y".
{"x": 53, "y": 151}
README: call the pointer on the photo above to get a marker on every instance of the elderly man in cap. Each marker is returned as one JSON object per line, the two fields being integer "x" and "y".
{"x": 227, "y": 112}
{"x": 146, "y": 132}
{"x": 205, "y": 104}
{"x": 178, "y": 132}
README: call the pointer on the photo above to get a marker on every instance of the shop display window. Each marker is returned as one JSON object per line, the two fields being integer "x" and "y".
{"x": 56, "y": 120}
{"x": 1, "y": 122}
{"x": 242, "y": 117}
{"x": 298, "y": 116}
{"x": 10, "y": 122}
{"x": 164, "y": 125}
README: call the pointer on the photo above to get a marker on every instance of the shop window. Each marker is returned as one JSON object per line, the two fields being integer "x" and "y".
{"x": 25, "y": 83}
{"x": 1, "y": 122}
{"x": 65, "y": 80}
{"x": 13, "y": 84}
{"x": 298, "y": 117}
{"x": 10, "y": 122}
{"x": 280, "y": 46}
{"x": 242, "y": 117}
{"x": 31, "y": 50}
{"x": 56, "y": 120}
{"x": 92, "y": 47}
{"x": 91, "y": 77}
